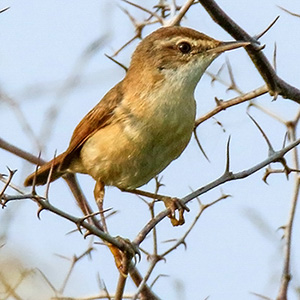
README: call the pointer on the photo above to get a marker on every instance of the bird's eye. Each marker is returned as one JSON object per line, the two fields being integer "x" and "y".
{"x": 184, "y": 47}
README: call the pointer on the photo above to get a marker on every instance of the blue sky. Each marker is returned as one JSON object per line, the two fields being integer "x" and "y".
{"x": 235, "y": 248}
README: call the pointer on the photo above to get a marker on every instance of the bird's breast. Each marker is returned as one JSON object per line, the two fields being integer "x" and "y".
{"x": 141, "y": 141}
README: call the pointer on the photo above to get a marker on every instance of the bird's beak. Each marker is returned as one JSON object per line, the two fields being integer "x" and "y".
{"x": 225, "y": 46}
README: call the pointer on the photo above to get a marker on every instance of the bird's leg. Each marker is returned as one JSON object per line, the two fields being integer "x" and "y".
{"x": 171, "y": 203}
{"x": 99, "y": 198}
{"x": 99, "y": 192}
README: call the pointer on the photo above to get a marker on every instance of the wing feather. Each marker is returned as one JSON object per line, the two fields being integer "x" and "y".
{"x": 100, "y": 116}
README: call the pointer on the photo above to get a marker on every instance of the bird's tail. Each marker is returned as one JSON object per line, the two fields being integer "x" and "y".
{"x": 40, "y": 177}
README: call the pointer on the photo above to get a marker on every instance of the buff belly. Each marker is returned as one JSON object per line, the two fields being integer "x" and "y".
{"x": 129, "y": 154}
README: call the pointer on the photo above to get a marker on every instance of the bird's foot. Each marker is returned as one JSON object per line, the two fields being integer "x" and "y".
{"x": 129, "y": 250}
{"x": 175, "y": 204}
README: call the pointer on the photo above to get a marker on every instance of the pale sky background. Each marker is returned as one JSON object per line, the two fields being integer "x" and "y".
{"x": 235, "y": 248}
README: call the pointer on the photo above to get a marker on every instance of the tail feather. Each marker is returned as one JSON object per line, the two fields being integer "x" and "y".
{"x": 41, "y": 176}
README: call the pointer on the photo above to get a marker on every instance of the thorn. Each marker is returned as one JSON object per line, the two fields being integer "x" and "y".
{"x": 81, "y": 220}
{"x": 50, "y": 176}
{"x": 257, "y": 37}
{"x": 228, "y": 155}
{"x": 129, "y": 247}
{"x": 78, "y": 225}
{"x": 285, "y": 139}
{"x": 3, "y": 203}
{"x": 33, "y": 190}
{"x": 286, "y": 168}
{"x": 87, "y": 234}
{"x": 184, "y": 244}
{"x": 4, "y": 9}
{"x": 11, "y": 172}
{"x": 233, "y": 85}
{"x": 283, "y": 227}
{"x": 275, "y": 95}
{"x": 262, "y": 47}
{"x": 199, "y": 145}
{"x": 218, "y": 101}
{"x": 38, "y": 214}
{"x": 275, "y": 57}
{"x": 158, "y": 183}
{"x": 126, "y": 44}
{"x": 265, "y": 177}
{"x": 271, "y": 150}
{"x": 214, "y": 77}
{"x": 72, "y": 231}
{"x": 219, "y": 123}
{"x": 115, "y": 61}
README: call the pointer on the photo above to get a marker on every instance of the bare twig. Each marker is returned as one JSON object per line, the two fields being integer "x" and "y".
{"x": 286, "y": 273}
{"x": 11, "y": 174}
{"x": 203, "y": 207}
{"x": 222, "y": 105}
{"x": 20, "y": 117}
{"x": 19, "y": 152}
{"x": 176, "y": 20}
{"x": 233, "y": 86}
{"x": 123, "y": 276}
{"x": 153, "y": 14}
{"x": 45, "y": 205}
{"x": 152, "y": 265}
{"x": 267, "y": 111}
{"x": 289, "y": 12}
{"x": 74, "y": 260}
{"x": 11, "y": 185}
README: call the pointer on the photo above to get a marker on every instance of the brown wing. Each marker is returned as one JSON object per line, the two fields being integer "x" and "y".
{"x": 99, "y": 117}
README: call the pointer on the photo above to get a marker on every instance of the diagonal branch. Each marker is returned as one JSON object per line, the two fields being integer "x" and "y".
{"x": 275, "y": 84}
{"x": 71, "y": 180}
{"x": 44, "y": 204}
{"x": 226, "y": 177}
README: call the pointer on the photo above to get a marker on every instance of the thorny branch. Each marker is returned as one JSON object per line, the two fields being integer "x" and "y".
{"x": 155, "y": 258}
{"x": 226, "y": 177}
{"x": 222, "y": 105}
{"x": 288, "y": 229}
{"x": 275, "y": 84}
{"x": 84, "y": 206}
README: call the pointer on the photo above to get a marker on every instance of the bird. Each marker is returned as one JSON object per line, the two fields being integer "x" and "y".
{"x": 146, "y": 120}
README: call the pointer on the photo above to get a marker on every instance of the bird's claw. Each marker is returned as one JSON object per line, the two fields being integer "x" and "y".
{"x": 132, "y": 249}
{"x": 175, "y": 204}
{"x": 127, "y": 249}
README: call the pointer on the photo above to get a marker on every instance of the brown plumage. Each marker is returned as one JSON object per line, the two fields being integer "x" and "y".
{"x": 145, "y": 122}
